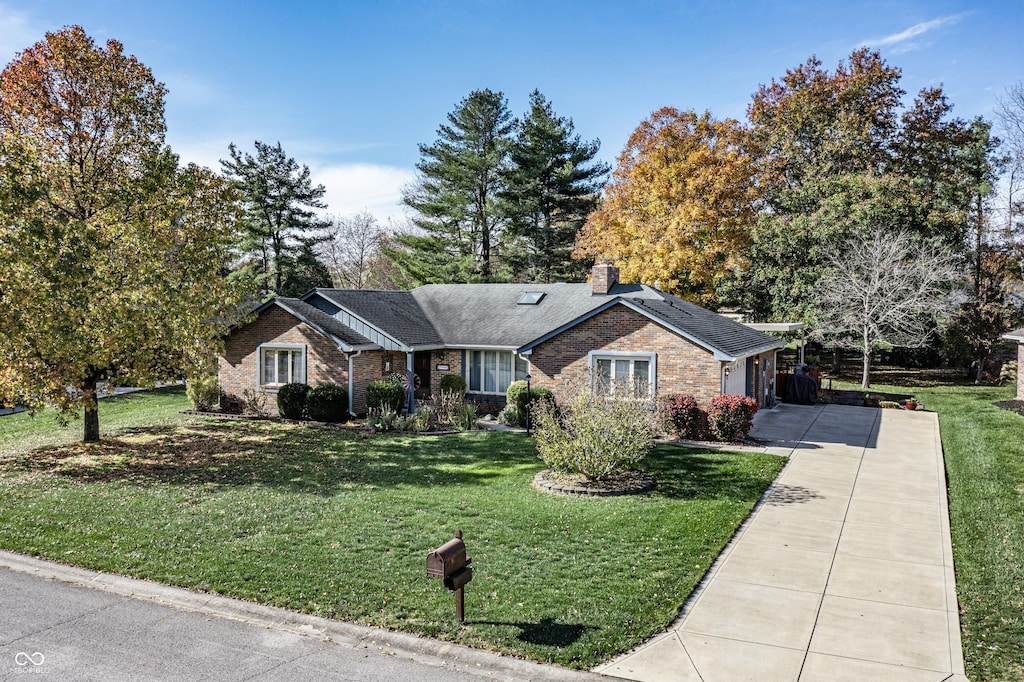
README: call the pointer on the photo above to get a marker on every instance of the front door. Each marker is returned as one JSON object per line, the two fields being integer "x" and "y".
{"x": 421, "y": 367}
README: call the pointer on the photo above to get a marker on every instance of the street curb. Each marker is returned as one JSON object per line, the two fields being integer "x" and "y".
{"x": 421, "y": 649}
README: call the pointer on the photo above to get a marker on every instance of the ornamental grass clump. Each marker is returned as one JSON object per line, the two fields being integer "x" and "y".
{"x": 591, "y": 436}
{"x": 730, "y": 417}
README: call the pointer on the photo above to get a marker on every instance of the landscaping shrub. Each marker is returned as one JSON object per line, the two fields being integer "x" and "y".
{"x": 730, "y": 417}
{"x": 327, "y": 403}
{"x": 254, "y": 403}
{"x": 385, "y": 419}
{"x": 384, "y": 393}
{"x": 452, "y": 383}
{"x": 518, "y": 401}
{"x": 203, "y": 392}
{"x": 682, "y": 417}
{"x": 291, "y": 400}
{"x": 592, "y": 437}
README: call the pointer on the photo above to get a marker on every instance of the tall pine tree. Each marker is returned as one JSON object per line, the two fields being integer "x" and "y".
{"x": 280, "y": 227}
{"x": 456, "y": 196}
{"x": 551, "y": 186}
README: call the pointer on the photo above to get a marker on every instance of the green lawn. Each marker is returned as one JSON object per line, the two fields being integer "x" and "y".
{"x": 339, "y": 523}
{"x": 984, "y": 452}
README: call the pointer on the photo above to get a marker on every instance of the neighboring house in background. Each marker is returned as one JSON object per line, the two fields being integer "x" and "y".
{"x": 494, "y": 334}
{"x": 1017, "y": 335}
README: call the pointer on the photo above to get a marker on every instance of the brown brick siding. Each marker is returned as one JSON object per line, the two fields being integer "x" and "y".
{"x": 682, "y": 367}
{"x": 238, "y": 366}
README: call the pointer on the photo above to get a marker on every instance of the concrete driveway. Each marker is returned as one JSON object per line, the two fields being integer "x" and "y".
{"x": 844, "y": 571}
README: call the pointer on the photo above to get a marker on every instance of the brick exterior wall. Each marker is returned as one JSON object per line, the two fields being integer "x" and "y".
{"x": 239, "y": 365}
{"x": 682, "y": 367}
{"x": 452, "y": 358}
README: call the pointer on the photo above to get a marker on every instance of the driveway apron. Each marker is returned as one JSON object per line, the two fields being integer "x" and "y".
{"x": 844, "y": 571}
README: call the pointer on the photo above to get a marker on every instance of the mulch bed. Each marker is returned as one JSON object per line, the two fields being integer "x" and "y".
{"x": 1012, "y": 405}
{"x": 624, "y": 483}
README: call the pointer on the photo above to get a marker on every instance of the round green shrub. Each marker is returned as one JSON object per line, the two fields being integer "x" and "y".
{"x": 203, "y": 392}
{"x": 384, "y": 393}
{"x": 291, "y": 400}
{"x": 452, "y": 383}
{"x": 327, "y": 403}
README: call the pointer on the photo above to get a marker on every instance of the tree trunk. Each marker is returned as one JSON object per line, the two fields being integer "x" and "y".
{"x": 837, "y": 360}
{"x": 865, "y": 377}
{"x": 979, "y": 374}
{"x": 91, "y": 432}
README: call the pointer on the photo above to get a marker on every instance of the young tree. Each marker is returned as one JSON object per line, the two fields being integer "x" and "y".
{"x": 885, "y": 288}
{"x": 680, "y": 206}
{"x": 280, "y": 227}
{"x": 551, "y": 186}
{"x": 456, "y": 196}
{"x": 111, "y": 253}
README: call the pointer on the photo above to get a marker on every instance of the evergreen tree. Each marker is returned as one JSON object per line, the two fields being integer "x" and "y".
{"x": 456, "y": 196}
{"x": 280, "y": 228}
{"x": 551, "y": 187}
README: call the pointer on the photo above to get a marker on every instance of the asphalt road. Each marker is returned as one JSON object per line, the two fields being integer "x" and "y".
{"x": 55, "y": 626}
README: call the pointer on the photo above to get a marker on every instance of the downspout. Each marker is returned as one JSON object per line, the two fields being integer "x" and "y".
{"x": 351, "y": 380}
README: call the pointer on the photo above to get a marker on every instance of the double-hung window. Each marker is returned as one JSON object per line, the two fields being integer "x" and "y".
{"x": 491, "y": 371}
{"x": 282, "y": 364}
{"x": 623, "y": 375}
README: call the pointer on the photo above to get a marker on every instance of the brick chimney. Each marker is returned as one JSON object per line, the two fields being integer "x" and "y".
{"x": 604, "y": 275}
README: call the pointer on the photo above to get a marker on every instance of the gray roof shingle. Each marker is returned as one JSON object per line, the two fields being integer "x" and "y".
{"x": 467, "y": 315}
{"x": 344, "y": 336}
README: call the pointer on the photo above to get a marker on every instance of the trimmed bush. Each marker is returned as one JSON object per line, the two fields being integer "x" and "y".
{"x": 683, "y": 417}
{"x": 452, "y": 383}
{"x": 384, "y": 393}
{"x": 327, "y": 403}
{"x": 518, "y": 401}
{"x": 291, "y": 400}
{"x": 591, "y": 437}
{"x": 730, "y": 417}
{"x": 203, "y": 392}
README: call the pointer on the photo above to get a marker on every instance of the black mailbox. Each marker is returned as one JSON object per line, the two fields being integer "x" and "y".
{"x": 450, "y": 563}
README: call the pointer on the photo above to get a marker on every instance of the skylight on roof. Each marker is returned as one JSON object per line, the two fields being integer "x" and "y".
{"x": 531, "y": 298}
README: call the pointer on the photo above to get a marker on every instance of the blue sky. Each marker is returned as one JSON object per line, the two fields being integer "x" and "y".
{"x": 351, "y": 88}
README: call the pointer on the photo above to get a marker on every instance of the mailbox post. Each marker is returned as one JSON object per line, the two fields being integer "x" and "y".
{"x": 450, "y": 563}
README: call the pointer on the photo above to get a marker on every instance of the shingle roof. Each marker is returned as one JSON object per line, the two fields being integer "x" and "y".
{"x": 468, "y": 315}
{"x": 346, "y": 338}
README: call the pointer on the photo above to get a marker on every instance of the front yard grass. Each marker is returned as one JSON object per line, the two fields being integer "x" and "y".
{"x": 984, "y": 452}
{"x": 339, "y": 523}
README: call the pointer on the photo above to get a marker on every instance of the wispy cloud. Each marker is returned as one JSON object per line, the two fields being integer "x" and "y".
{"x": 17, "y": 31}
{"x": 357, "y": 187}
{"x": 907, "y": 39}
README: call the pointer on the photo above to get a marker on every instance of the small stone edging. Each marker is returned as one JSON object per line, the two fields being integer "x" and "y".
{"x": 541, "y": 482}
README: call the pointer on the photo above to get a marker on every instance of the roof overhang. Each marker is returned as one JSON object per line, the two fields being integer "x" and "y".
{"x": 1016, "y": 335}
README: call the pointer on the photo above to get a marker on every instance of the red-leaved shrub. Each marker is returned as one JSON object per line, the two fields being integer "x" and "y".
{"x": 730, "y": 417}
{"x": 683, "y": 417}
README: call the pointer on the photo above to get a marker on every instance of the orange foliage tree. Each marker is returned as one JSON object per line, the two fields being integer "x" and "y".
{"x": 680, "y": 206}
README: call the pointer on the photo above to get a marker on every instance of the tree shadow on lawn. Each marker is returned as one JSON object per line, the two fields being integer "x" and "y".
{"x": 686, "y": 473}
{"x": 311, "y": 460}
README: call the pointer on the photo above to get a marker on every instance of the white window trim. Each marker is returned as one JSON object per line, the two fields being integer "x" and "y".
{"x": 652, "y": 367}
{"x": 273, "y": 388}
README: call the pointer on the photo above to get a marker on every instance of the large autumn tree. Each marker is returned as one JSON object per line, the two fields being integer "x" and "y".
{"x": 680, "y": 205}
{"x": 280, "y": 225}
{"x": 840, "y": 154}
{"x": 550, "y": 188}
{"x": 111, "y": 253}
